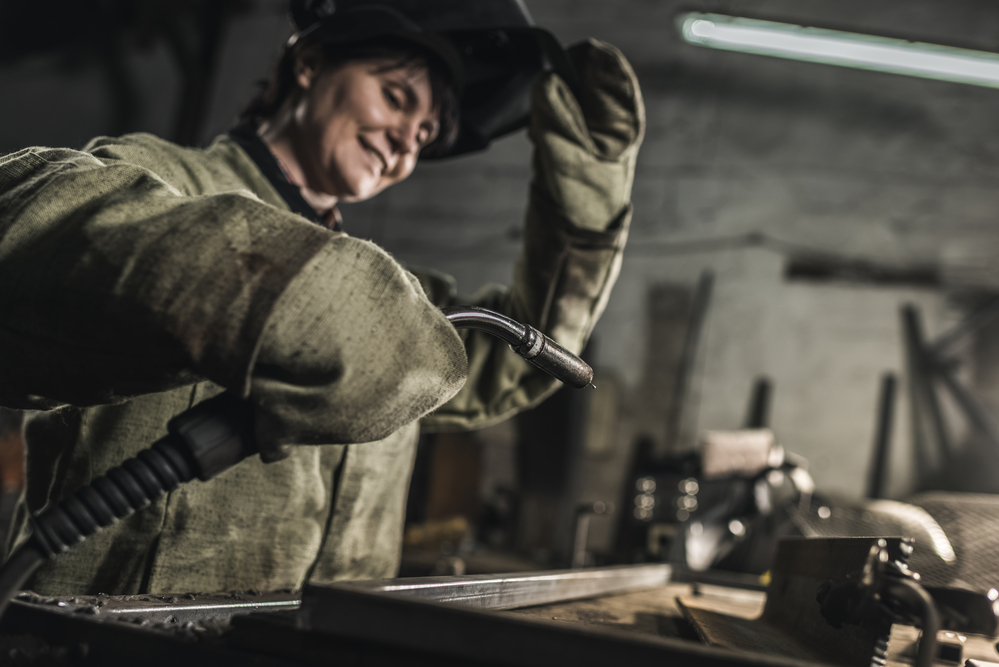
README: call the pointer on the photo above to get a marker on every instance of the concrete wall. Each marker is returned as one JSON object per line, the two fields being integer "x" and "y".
{"x": 875, "y": 166}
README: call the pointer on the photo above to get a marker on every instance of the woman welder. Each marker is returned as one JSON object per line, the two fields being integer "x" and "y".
{"x": 138, "y": 277}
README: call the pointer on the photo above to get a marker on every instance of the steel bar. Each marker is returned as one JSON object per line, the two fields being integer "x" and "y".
{"x": 509, "y": 591}
{"x": 882, "y": 437}
{"x": 922, "y": 392}
{"x": 914, "y": 376}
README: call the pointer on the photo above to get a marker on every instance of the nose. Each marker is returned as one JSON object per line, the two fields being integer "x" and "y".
{"x": 405, "y": 136}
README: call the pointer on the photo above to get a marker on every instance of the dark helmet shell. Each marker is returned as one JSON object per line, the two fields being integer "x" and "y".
{"x": 492, "y": 48}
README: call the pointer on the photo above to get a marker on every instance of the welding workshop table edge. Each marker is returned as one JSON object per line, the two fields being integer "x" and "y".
{"x": 150, "y": 647}
{"x": 459, "y": 634}
{"x": 368, "y": 618}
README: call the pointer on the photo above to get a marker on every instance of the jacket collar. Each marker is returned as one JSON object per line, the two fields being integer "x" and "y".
{"x": 245, "y": 134}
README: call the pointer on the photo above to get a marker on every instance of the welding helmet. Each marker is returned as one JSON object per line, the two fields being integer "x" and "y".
{"x": 492, "y": 49}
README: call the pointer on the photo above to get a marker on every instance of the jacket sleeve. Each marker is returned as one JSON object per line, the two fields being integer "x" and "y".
{"x": 113, "y": 283}
{"x": 576, "y": 226}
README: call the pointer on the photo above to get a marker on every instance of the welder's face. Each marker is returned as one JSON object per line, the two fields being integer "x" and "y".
{"x": 362, "y": 125}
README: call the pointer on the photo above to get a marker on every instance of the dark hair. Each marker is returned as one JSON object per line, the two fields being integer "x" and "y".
{"x": 400, "y": 53}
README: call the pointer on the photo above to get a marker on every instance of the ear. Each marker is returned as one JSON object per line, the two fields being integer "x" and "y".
{"x": 307, "y": 67}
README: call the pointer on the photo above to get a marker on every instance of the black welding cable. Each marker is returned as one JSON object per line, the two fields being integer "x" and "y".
{"x": 207, "y": 439}
{"x": 130, "y": 487}
{"x": 910, "y": 591}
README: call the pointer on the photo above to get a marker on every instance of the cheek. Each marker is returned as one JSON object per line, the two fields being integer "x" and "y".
{"x": 402, "y": 170}
{"x": 336, "y": 157}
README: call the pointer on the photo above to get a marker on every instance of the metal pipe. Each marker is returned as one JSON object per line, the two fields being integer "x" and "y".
{"x": 923, "y": 394}
{"x": 882, "y": 438}
{"x": 501, "y": 326}
{"x": 526, "y": 341}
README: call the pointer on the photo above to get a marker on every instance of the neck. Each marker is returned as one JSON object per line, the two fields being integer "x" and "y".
{"x": 280, "y": 136}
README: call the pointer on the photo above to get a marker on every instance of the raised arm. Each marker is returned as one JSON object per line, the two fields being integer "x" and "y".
{"x": 576, "y": 226}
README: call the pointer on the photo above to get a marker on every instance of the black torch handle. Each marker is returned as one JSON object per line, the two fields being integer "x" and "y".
{"x": 526, "y": 341}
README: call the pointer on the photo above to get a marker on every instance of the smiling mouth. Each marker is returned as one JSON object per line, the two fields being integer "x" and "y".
{"x": 379, "y": 158}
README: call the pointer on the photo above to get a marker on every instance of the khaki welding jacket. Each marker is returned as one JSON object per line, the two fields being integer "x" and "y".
{"x": 138, "y": 278}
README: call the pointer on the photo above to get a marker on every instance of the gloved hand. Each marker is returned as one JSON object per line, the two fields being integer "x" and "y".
{"x": 586, "y": 149}
{"x": 575, "y": 228}
{"x": 352, "y": 352}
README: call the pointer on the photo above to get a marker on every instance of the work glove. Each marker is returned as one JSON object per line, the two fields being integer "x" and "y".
{"x": 352, "y": 352}
{"x": 586, "y": 148}
{"x": 575, "y": 228}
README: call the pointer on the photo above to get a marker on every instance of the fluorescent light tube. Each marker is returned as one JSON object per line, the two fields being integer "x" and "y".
{"x": 833, "y": 47}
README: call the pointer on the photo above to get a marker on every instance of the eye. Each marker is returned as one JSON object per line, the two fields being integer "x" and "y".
{"x": 427, "y": 133}
{"x": 392, "y": 97}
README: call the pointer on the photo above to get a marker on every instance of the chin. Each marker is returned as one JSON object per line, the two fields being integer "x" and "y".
{"x": 360, "y": 189}
{"x": 352, "y": 183}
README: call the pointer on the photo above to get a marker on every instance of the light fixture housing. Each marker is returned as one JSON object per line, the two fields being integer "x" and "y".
{"x": 835, "y": 47}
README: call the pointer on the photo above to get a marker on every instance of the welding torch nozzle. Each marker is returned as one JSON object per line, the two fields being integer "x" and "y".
{"x": 526, "y": 341}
